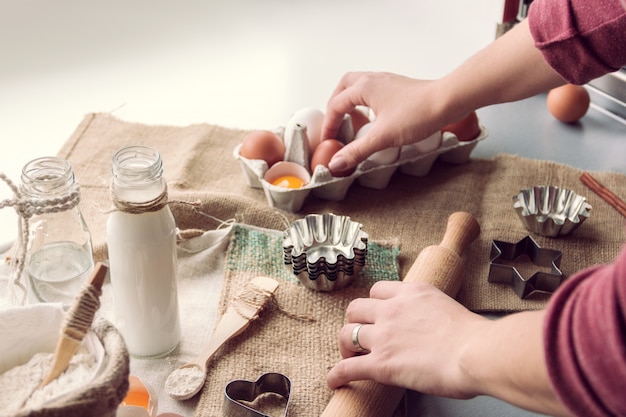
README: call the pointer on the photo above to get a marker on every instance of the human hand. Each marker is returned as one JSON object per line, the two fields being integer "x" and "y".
{"x": 405, "y": 110}
{"x": 415, "y": 335}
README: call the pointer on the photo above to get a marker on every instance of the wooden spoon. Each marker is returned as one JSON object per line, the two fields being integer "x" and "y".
{"x": 187, "y": 380}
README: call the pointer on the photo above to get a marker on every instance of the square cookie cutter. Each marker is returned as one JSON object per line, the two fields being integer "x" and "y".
{"x": 506, "y": 273}
{"x": 241, "y": 390}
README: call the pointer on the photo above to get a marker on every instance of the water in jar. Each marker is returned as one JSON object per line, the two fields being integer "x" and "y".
{"x": 58, "y": 270}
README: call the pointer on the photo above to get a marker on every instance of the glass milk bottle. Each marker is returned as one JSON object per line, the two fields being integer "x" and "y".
{"x": 59, "y": 257}
{"x": 141, "y": 240}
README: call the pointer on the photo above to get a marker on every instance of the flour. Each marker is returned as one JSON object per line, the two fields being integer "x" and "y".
{"x": 17, "y": 384}
{"x": 184, "y": 381}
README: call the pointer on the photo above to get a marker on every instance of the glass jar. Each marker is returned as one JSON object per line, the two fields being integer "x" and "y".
{"x": 141, "y": 240}
{"x": 59, "y": 257}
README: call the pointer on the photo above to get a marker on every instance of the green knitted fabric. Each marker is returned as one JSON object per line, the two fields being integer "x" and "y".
{"x": 260, "y": 251}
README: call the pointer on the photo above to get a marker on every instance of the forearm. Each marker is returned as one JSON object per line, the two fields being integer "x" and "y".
{"x": 505, "y": 359}
{"x": 509, "y": 69}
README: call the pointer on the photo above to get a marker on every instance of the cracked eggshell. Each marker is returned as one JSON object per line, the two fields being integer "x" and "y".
{"x": 289, "y": 199}
{"x": 287, "y": 169}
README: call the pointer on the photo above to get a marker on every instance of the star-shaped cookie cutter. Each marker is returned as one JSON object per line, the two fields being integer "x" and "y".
{"x": 508, "y": 274}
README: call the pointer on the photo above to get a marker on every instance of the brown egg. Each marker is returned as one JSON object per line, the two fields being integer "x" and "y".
{"x": 465, "y": 129}
{"x": 568, "y": 103}
{"x": 324, "y": 153}
{"x": 263, "y": 144}
{"x": 359, "y": 119}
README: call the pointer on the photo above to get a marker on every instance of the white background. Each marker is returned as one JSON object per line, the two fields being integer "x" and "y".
{"x": 244, "y": 64}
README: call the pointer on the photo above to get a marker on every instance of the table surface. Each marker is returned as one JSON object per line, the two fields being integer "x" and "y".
{"x": 251, "y": 65}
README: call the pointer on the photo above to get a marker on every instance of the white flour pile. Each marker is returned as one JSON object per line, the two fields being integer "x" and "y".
{"x": 184, "y": 382}
{"x": 17, "y": 384}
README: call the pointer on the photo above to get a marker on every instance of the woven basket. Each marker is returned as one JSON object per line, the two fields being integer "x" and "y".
{"x": 102, "y": 395}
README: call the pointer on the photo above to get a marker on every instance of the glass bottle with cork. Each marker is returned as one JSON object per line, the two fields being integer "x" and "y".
{"x": 141, "y": 240}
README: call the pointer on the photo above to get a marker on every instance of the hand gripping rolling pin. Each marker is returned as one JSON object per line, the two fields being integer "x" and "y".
{"x": 440, "y": 265}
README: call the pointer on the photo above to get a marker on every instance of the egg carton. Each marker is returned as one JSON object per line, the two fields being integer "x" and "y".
{"x": 415, "y": 159}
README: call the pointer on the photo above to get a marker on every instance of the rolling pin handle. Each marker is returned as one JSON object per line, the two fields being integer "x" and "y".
{"x": 461, "y": 230}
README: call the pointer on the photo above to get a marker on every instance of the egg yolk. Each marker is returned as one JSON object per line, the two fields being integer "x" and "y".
{"x": 138, "y": 394}
{"x": 288, "y": 181}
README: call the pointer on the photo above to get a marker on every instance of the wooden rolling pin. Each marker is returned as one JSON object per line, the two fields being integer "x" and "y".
{"x": 440, "y": 265}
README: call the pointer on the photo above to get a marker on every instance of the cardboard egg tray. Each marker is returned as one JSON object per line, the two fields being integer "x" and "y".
{"x": 415, "y": 159}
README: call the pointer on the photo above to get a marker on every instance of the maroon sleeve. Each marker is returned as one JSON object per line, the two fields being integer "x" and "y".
{"x": 580, "y": 39}
{"x": 585, "y": 340}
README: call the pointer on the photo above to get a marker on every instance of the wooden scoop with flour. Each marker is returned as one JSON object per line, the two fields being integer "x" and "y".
{"x": 187, "y": 380}
{"x": 442, "y": 266}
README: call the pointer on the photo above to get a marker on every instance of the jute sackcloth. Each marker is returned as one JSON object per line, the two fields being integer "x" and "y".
{"x": 297, "y": 334}
{"x": 104, "y": 393}
{"x": 200, "y": 167}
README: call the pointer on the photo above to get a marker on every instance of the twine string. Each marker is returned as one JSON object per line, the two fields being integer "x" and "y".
{"x": 27, "y": 207}
{"x": 140, "y": 207}
{"x": 256, "y": 298}
{"x": 81, "y": 314}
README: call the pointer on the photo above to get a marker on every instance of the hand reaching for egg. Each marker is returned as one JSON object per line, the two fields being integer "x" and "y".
{"x": 292, "y": 162}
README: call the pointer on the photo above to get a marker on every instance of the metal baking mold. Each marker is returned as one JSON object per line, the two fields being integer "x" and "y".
{"x": 325, "y": 251}
{"x": 551, "y": 211}
{"x": 502, "y": 273}
{"x": 241, "y": 390}
{"x": 415, "y": 159}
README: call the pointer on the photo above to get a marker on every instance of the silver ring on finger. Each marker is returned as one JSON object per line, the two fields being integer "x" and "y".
{"x": 355, "y": 339}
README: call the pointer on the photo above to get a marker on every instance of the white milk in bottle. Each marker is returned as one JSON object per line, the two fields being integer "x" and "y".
{"x": 141, "y": 239}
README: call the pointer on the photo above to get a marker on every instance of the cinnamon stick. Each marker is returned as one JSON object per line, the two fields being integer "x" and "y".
{"x": 606, "y": 194}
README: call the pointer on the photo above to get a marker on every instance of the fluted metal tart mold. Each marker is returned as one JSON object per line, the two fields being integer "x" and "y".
{"x": 325, "y": 251}
{"x": 551, "y": 211}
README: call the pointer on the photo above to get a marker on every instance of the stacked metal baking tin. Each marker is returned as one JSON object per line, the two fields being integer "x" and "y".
{"x": 325, "y": 251}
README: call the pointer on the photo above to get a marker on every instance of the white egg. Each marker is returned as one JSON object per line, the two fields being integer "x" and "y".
{"x": 363, "y": 130}
{"x": 430, "y": 144}
{"x": 383, "y": 157}
{"x": 310, "y": 117}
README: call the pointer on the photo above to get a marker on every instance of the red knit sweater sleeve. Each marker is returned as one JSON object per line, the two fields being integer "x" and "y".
{"x": 585, "y": 340}
{"x": 580, "y": 39}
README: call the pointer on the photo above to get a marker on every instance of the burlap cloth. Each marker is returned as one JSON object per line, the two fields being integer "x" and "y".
{"x": 199, "y": 166}
{"x": 410, "y": 213}
{"x": 296, "y": 336}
